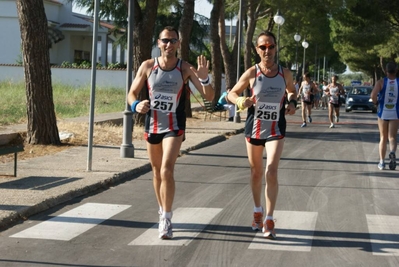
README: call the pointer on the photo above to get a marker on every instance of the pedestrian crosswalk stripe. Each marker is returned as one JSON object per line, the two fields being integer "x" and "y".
{"x": 72, "y": 223}
{"x": 296, "y": 232}
{"x": 187, "y": 224}
{"x": 384, "y": 232}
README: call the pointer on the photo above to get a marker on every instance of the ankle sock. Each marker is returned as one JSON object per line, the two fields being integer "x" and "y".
{"x": 167, "y": 215}
{"x": 258, "y": 209}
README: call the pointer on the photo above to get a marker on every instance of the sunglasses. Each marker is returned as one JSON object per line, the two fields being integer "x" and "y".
{"x": 172, "y": 41}
{"x": 263, "y": 47}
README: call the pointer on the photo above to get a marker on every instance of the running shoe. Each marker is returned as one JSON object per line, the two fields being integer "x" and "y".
{"x": 381, "y": 166}
{"x": 309, "y": 119}
{"x": 165, "y": 229}
{"x": 159, "y": 215}
{"x": 332, "y": 125}
{"x": 337, "y": 119}
{"x": 303, "y": 124}
{"x": 268, "y": 230}
{"x": 392, "y": 162}
{"x": 257, "y": 223}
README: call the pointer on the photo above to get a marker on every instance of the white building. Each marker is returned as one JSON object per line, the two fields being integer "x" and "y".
{"x": 71, "y": 35}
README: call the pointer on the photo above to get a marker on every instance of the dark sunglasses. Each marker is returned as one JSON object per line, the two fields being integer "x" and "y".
{"x": 172, "y": 41}
{"x": 263, "y": 47}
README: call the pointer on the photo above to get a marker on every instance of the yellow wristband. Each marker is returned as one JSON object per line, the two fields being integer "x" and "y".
{"x": 240, "y": 103}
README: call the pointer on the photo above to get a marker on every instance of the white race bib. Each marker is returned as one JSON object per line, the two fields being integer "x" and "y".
{"x": 164, "y": 102}
{"x": 267, "y": 111}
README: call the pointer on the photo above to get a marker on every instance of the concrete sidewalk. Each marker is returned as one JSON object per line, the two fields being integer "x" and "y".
{"x": 47, "y": 181}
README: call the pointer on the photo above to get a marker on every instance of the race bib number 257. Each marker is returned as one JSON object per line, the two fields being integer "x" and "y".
{"x": 164, "y": 102}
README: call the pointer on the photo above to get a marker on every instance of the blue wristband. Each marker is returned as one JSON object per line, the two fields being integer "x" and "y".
{"x": 133, "y": 107}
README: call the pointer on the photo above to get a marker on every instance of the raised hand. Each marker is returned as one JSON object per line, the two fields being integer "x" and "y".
{"x": 202, "y": 68}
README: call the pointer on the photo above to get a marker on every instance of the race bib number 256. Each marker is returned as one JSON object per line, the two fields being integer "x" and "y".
{"x": 268, "y": 111}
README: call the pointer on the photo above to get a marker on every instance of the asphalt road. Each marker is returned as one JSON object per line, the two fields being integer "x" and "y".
{"x": 335, "y": 208}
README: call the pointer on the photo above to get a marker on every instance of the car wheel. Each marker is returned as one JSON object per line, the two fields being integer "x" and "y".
{"x": 374, "y": 111}
{"x": 347, "y": 110}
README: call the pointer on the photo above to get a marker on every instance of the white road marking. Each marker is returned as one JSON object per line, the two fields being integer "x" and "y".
{"x": 187, "y": 224}
{"x": 384, "y": 232}
{"x": 72, "y": 223}
{"x": 296, "y": 232}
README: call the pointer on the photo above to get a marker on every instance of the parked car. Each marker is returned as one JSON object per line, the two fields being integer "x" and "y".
{"x": 358, "y": 98}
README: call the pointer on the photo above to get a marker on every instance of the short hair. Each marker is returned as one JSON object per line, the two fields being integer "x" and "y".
{"x": 169, "y": 29}
{"x": 391, "y": 67}
{"x": 266, "y": 33}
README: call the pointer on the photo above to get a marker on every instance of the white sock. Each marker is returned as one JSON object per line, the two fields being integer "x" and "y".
{"x": 258, "y": 209}
{"x": 269, "y": 218}
{"x": 160, "y": 210}
{"x": 167, "y": 215}
{"x": 381, "y": 161}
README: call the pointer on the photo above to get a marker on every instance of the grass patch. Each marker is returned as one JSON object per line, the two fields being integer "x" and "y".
{"x": 69, "y": 101}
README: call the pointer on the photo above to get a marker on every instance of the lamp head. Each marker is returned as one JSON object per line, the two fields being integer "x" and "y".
{"x": 278, "y": 19}
{"x": 305, "y": 44}
{"x": 297, "y": 37}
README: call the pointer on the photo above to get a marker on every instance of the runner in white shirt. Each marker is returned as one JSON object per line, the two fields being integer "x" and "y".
{"x": 385, "y": 93}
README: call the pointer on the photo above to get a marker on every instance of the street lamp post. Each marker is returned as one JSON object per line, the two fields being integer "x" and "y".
{"x": 297, "y": 38}
{"x": 305, "y": 45}
{"x": 279, "y": 20}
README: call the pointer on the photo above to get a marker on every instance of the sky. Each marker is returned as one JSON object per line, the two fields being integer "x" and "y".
{"x": 202, "y": 7}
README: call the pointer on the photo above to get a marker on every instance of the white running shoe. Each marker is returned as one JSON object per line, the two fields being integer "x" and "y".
{"x": 332, "y": 125}
{"x": 381, "y": 166}
{"x": 165, "y": 228}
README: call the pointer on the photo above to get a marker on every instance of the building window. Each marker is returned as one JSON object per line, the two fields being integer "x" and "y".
{"x": 80, "y": 56}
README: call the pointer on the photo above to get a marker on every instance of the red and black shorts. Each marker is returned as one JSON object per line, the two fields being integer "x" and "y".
{"x": 157, "y": 138}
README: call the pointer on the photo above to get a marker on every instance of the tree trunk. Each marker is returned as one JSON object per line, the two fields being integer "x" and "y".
{"x": 42, "y": 122}
{"x": 229, "y": 58}
{"x": 215, "y": 48}
{"x": 186, "y": 24}
{"x": 249, "y": 33}
{"x": 144, "y": 24}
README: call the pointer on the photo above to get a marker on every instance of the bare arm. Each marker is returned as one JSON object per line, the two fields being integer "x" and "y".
{"x": 377, "y": 88}
{"x": 291, "y": 92}
{"x": 300, "y": 89}
{"x": 138, "y": 83}
{"x": 242, "y": 84}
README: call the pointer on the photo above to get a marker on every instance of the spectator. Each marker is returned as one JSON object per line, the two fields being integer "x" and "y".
{"x": 226, "y": 104}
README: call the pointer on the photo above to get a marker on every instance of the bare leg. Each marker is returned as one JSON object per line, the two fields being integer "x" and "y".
{"x": 383, "y": 127}
{"x": 274, "y": 150}
{"x": 171, "y": 150}
{"x": 155, "y": 156}
{"x": 392, "y": 135}
{"x": 309, "y": 108}
{"x": 304, "y": 106}
{"x": 163, "y": 158}
{"x": 330, "y": 112}
{"x": 337, "y": 112}
{"x": 255, "y": 157}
